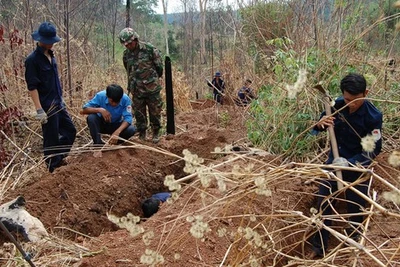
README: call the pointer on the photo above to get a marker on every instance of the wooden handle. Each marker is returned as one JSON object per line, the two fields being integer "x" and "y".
{"x": 332, "y": 138}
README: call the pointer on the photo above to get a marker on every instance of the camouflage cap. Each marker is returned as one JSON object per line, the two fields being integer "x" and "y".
{"x": 127, "y": 35}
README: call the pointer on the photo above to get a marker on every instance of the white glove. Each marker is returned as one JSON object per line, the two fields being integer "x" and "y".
{"x": 41, "y": 116}
{"x": 342, "y": 162}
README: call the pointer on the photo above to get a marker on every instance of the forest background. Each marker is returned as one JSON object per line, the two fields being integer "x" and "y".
{"x": 266, "y": 41}
{"x": 284, "y": 47}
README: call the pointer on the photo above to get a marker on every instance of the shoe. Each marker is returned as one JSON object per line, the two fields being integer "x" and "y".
{"x": 156, "y": 136}
{"x": 142, "y": 135}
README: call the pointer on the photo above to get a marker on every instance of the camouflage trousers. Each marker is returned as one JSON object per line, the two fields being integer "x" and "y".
{"x": 154, "y": 105}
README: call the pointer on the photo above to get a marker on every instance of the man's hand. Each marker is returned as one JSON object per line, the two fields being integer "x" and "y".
{"x": 106, "y": 115}
{"x": 114, "y": 138}
{"x": 325, "y": 122}
{"x": 342, "y": 162}
{"x": 41, "y": 116}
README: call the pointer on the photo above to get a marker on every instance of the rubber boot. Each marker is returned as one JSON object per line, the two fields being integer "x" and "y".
{"x": 156, "y": 136}
{"x": 142, "y": 135}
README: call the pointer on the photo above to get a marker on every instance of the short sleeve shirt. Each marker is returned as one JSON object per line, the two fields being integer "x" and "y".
{"x": 121, "y": 112}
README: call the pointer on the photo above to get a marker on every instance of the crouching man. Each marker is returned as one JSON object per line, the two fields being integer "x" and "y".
{"x": 110, "y": 112}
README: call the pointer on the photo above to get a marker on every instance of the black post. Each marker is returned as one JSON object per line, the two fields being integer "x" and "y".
{"x": 170, "y": 97}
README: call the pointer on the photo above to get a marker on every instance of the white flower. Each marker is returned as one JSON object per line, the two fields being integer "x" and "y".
{"x": 368, "y": 143}
{"x": 394, "y": 159}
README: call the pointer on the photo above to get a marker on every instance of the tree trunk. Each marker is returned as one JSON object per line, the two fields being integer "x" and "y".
{"x": 165, "y": 6}
{"x": 203, "y": 7}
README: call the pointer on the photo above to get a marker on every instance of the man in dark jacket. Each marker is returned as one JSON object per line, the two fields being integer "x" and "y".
{"x": 41, "y": 75}
{"x": 360, "y": 118}
{"x": 218, "y": 86}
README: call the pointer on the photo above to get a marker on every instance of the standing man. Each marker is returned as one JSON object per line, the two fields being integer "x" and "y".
{"x": 218, "y": 86}
{"x": 357, "y": 120}
{"x": 110, "y": 112}
{"x": 143, "y": 65}
{"x": 41, "y": 75}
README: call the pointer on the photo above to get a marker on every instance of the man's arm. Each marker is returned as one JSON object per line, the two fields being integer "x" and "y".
{"x": 94, "y": 110}
{"x": 35, "y": 98}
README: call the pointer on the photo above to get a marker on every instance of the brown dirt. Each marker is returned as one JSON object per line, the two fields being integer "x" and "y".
{"x": 73, "y": 201}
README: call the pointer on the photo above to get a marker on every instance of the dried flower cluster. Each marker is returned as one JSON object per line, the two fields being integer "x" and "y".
{"x": 294, "y": 89}
{"x": 394, "y": 159}
{"x": 171, "y": 183}
{"x": 151, "y": 258}
{"x": 252, "y": 236}
{"x": 392, "y": 196}
{"x": 147, "y": 237}
{"x": 262, "y": 187}
{"x": 199, "y": 228}
{"x": 192, "y": 162}
{"x": 368, "y": 143}
{"x": 128, "y": 222}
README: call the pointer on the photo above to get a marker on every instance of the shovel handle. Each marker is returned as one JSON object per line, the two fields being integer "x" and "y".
{"x": 332, "y": 137}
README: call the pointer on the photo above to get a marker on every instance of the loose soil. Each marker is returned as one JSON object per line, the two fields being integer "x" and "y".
{"x": 73, "y": 202}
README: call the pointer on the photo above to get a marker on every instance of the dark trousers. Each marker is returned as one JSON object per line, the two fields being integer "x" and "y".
{"x": 97, "y": 126}
{"x": 327, "y": 197}
{"x": 58, "y": 136}
{"x": 218, "y": 98}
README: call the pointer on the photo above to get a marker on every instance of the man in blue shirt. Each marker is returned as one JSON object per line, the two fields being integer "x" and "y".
{"x": 110, "y": 112}
{"x": 151, "y": 205}
{"x": 245, "y": 94}
{"x": 41, "y": 75}
{"x": 357, "y": 120}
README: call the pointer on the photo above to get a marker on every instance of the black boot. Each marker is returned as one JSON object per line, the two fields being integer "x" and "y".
{"x": 156, "y": 136}
{"x": 142, "y": 135}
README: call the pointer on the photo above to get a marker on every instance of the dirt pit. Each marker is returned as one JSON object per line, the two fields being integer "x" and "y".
{"x": 235, "y": 220}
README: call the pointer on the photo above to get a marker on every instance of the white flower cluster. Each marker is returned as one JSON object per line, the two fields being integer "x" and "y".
{"x": 294, "y": 89}
{"x": 262, "y": 187}
{"x": 221, "y": 232}
{"x": 147, "y": 237}
{"x": 394, "y": 159}
{"x": 151, "y": 258}
{"x": 368, "y": 143}
{"x": 192, "y": 161}
{"x": 205, "y": 176}
{"x": 174, "y": 197}
{"x": 128, "y": 222}
{"x": 254, "y": 261}
{"x": 221, "y": 184}
{"x": 199, "y": 228}
{"x": 392, "y": 196}
{"x": 170, "y": 182}
{"x": 252, "y": 236}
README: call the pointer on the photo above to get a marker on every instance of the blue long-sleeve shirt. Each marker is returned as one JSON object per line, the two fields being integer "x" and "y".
{"x": 351, "y": 127}
{"x": 42, "y": 75}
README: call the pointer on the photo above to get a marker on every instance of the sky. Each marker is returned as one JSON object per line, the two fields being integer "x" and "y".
{"x": 175, "y": 6}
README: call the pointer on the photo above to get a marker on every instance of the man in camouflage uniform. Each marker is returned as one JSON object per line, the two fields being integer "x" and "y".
{"x": 143, "y": 65}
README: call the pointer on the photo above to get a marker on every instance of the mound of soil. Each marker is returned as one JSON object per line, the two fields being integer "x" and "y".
{"x": 73, "y": 202}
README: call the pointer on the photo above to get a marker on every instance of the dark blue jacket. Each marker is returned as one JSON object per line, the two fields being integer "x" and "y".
{"x": 42, "y": 75}
{"x": 350, "y": 128}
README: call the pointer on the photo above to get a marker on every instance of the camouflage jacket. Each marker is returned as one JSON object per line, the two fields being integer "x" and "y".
{"x": 144, "y": 67}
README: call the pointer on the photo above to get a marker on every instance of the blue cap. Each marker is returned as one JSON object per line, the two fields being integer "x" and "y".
{"x": 46, "y": 34}
{"x": 218, "y": 74}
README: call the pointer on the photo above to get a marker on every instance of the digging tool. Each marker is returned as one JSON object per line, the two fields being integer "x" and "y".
{"x": 327, "y": 100}
{"x": 26, "y": 256}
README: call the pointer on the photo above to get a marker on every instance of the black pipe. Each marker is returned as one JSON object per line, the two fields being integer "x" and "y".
{"x": 169, "y": 97}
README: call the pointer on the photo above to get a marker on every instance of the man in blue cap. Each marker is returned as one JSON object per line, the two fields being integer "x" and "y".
{"x": 41, "y": 75}
{"x": 218, "y": 86}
